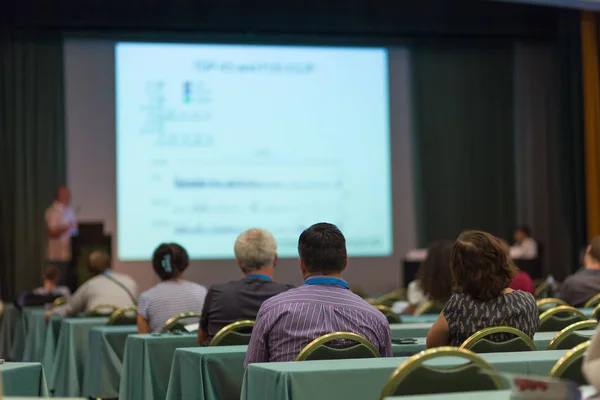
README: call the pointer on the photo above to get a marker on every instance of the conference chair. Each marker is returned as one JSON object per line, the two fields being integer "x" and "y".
{"x": 569, "y": 338}
{"x": 237, "y": 333}
{"x": 550, "y": 302}
{"x": 391, "y": 316}
{"x": 558, "y": 318}
{"x": 123, "y": 316}
{"x": 413, "y": 377}
{"x": 431, "y": 307}
{"x": 479, "y": 342}
{"x": 390, "y": 298}
{"x": 59, "y": 301}
{"x": 318, "y": 349}
{"x": 593, "y": 302}
{"x": 177, "y": 324}
{"x": 569, "y": 365}
{"x": 102, "y": 310}
{"x": 596, "y": 313}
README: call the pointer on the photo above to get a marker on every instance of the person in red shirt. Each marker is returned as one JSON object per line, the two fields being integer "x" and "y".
{"x": 522, "y": 281}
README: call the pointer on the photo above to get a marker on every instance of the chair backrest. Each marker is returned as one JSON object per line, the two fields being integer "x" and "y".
{"x": 431, "y": 307}
{"x": 550, "y": 302}
{"x": 177, "y": 324}
{"x": 390, "y": 298}
{"x": 59, "y": 301}
{"x": 413, "y": 377}
{"x": 593, "y": 302}
{"x": 558, "y": 318}
{"x": 237, "y": 333}
{"x": 123, "y": 316}
{"x": 102, "y": 310}
{"x": 480, "y": 343}
{"x": 318, "y": 349}
{"x": 569, "y": 365}
{"x": 596, "y": 313}
{"x": 569, "y": 338}
{"x": 391, "y": 316}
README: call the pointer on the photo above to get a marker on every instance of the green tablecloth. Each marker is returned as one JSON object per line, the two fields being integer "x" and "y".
{"x": 541, "y": 340}
{"x": 23, "y": 379}
{"x": 34, "y": 330}
{"x": 419, "y": 319}
{"x": 105, "y": 360}
{"x": 213, "y": 373}
{"x": 9, "y": 328}
{"x": 71, "y": 352}
{"x": 363, "y": 378}
{"x": 147, "y": 364}
{"x": 50, "y": 343}
{"x": 489, "y": 395}
{"x": 207, "y": 373}
{"x": 410, "y": 330}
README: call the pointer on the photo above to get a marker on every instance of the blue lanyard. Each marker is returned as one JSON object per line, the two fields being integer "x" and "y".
{"x": 326, "y": 280}
{"x": 260, "y": 276}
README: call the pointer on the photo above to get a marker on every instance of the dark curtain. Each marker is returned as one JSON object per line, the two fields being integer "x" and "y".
{"x": 463, "y": 138}
{"x": 32, "y": 151}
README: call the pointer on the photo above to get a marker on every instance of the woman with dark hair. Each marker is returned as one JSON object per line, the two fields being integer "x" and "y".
{"x": 173, "y": 295}
{"x": 433, "y": 280}
{"x": 482, "y": 272}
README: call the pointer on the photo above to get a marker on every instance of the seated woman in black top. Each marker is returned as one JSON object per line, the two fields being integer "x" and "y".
{"x": 482, "y": 272}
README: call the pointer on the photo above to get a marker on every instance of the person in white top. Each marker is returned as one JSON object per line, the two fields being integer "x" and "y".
{"x": 61, "y": 224}
{"x": 525, "y": 248}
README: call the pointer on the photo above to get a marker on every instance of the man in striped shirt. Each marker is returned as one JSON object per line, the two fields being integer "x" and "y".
{"x": 286, "y": 323}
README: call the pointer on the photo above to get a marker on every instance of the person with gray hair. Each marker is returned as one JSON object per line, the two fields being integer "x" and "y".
{"x": 256, "y": 254}
{"x": 104, "y": 287}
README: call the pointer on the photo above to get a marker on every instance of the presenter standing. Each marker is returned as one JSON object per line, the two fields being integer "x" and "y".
{"x": 61, "y": 224}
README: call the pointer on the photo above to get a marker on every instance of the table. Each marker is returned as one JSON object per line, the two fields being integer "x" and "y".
{"x": 419, "y": 319}
{"x": 541, "y": 340}
{"x": 71, "y": 352}
{"x": 33, "y": 328}
{"x": 410, "y": 330}
{"x": 105, "y": 360}
{"x": 488, "y": 395}
{"x": 207, "y": 373}
{"x": 147, "y": 364}
{"x": 23, "y": 379}
{"x": 9, "y": 327}
{"x": 363, "y": 378}
{"x": 50, "y": 343}
{"x": 214, "y": 373}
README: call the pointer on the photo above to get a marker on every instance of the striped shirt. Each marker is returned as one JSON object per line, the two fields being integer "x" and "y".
{"x": 169, "y": 299}
{"x": 286, "y": 323}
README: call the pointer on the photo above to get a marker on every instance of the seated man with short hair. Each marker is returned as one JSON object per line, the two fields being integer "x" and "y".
{"x": 289, "y": 321}
{"x": 104, "y": 288}
{"x": 584, "y": 284}
{"x": 48, "y": 292}
{"x": 256, "y": 254}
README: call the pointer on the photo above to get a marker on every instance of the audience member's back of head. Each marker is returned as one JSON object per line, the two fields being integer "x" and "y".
{"x": 169, "y": 260}
{"x": 322, "y": 249}
{"x": 50, "y": 274}
{"x": 255, "y": 249}
{"x": 435, "y": 277}
{"x": 99, "y": 262}
{"x": 480, "y": 265}
{"x": 593, "y": 250}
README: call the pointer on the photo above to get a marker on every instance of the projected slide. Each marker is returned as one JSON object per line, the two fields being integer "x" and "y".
{"x": 216, "y": 139}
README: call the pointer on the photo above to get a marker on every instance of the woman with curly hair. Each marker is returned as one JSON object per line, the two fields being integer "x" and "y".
{"x": 482, "y": 272}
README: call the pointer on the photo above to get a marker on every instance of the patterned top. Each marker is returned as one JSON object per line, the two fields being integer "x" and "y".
{"x": 169, "y": 299}
{"x": 466, "y": 315}
{"x": 286, "y": 323}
